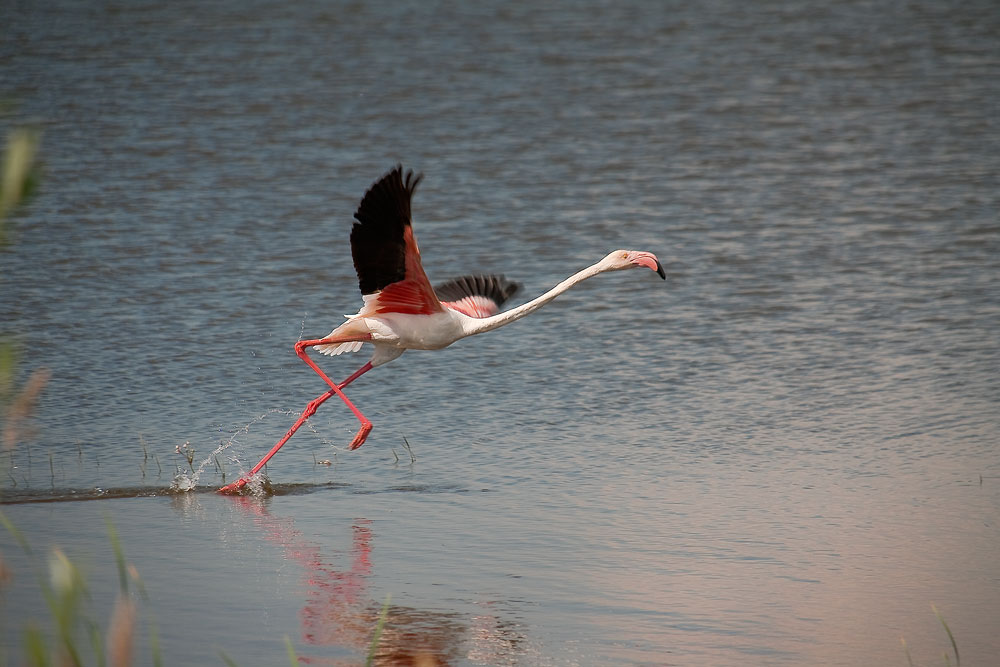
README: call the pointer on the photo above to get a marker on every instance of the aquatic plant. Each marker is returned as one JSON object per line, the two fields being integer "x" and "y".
{"x": 19, "y": 173}
{"x": 377, "y": 635}
{"x": 67, "y": 597}
{"x": 951, "y": 638}
{"x": 18, "y": 181}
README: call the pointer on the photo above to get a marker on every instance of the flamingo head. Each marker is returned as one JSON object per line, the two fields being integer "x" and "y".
{"x": 629, "y": 259}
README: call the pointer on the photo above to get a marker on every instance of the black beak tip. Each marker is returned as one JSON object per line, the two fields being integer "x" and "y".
{"x": 660, "y": 271}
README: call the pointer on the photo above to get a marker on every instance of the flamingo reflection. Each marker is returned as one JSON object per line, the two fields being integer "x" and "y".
{"x": 339, "y": 611}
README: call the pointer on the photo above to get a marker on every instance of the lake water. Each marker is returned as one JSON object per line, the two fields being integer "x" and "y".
{"x": 783, "y": 455}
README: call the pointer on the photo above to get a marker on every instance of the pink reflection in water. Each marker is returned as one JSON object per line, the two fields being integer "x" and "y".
{"x": 340, "y": 612}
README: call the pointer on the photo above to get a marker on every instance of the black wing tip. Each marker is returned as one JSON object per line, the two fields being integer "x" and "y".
{"x": 403, "y": 179}
{"x": 395, "y": 186}
{"x": 409, "y": 180}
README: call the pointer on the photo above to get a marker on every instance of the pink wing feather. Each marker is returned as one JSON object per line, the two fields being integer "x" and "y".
{"x": 476, "y": 296}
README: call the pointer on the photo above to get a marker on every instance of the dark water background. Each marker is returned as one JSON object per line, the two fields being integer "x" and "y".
{"x": 784, "y": 455}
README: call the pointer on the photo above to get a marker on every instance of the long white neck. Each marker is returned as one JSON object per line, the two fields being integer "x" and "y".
{"x": 479, "y": 326}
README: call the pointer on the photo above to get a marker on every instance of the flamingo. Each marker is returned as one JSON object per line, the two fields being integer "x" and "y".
{"x": 402, "y": 311}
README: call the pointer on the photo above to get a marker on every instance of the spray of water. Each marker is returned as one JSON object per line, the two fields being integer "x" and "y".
{"x": 188, "y": 481}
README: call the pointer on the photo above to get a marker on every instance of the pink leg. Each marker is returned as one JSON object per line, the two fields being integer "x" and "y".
{"x": 310, "y": 410}
{"x": 366, "y": 426}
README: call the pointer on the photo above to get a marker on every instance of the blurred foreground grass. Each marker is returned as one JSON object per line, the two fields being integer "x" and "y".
{"x": 18, "y": 181}
{"x": 944, "y": 656}
{"x": 20, "y": 176}
{"x": 74, "y": 636}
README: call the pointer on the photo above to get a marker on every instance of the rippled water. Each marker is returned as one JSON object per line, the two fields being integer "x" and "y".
{"x": 784, "y": 455}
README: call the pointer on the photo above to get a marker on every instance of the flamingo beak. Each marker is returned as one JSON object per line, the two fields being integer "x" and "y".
{"x": 649, "y": 260}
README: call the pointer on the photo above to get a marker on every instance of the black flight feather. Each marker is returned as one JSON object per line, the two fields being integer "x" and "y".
{"x": 377, "y": 243}
{"x": 496, "y": 288}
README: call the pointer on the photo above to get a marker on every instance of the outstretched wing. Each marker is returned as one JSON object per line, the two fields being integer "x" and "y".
{"x": 476, "y": 296}
{"x": 385, "y": 251}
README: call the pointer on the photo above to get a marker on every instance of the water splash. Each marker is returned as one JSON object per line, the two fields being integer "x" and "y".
{"x": 182, "y": 482}
{"x": 188, "y": 481}
{"x": 302, "y": 326}
{"x": 185, "y": 482}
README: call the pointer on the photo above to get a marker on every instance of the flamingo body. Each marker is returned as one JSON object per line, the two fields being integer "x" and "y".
{"x": 403, "y": 311}
{"x": 400, "y": 331}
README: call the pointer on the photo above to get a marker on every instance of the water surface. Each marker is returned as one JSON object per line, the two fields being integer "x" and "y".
{"x": 783, "y": 455}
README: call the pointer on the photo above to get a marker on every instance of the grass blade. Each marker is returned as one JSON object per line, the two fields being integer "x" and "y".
{"x": 906, "y": 649}
{"x": 116, "y": 546}
{"x": 35, "y": 647}
{"x": 373, "y": 647}
{"x": 293, "y": 659}
{"x": 15, "y": 533}
{"x": 154, "y": 645}
{"x": 951, "y": 637}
